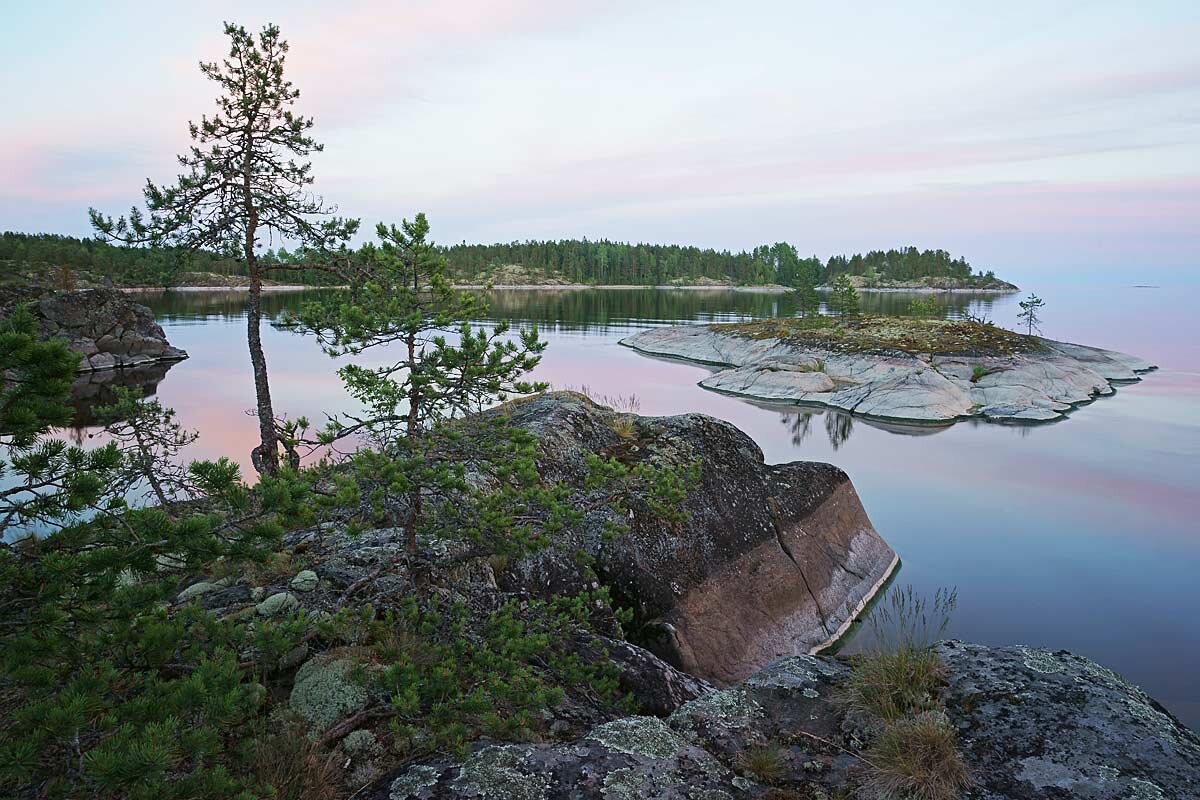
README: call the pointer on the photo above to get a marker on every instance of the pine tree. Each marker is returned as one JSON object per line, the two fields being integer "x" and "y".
{"x": 1029, "y": 313}
{"x": 400, "y": 294}
{"x": 808, "y": 302}
{"x": 245, "y": 178}
{"x": 844, "y": 300}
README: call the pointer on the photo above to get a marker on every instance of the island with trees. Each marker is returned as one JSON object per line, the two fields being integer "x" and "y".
{"x": 472, "y": 587}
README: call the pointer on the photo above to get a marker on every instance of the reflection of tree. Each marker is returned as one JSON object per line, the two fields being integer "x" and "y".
{"x": 800, "y": 424}
{"x": 838, "y": 427}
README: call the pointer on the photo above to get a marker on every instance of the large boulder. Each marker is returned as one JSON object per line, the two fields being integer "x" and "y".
{"x": 1031, "y": 724}
{"x": 106, "y": 328}
{"x": 766, "y": 560}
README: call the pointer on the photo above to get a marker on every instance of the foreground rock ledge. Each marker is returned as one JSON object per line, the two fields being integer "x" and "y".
{"x": 772, "y": 560}
{"x": 1032, "y": 725}
{"x": 106, "y": 329}
{"x": 1037, "y": 380}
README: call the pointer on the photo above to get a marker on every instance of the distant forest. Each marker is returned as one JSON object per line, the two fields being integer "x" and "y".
{"x": 573, "y": 260}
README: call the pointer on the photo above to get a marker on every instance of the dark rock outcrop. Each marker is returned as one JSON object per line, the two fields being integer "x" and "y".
{"x": 106, "y": 328}
{"x": 1032, "y": 725}
{"x": 772, "y": 560}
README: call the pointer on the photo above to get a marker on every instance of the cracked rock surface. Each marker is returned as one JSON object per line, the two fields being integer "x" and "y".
{"x": 106, "y": 328}
{"x": 899, "y": 386}
{"x": 1032, "y": 725}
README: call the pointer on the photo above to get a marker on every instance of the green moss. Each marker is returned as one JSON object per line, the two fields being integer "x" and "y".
{"x": 881, "y": 334}
{"x": 278, "y": 604}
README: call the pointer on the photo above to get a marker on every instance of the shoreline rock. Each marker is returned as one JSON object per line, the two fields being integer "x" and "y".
{"x": 107, "y": 329}
{"x": 773, "y": 560}
{"x": 899, "y": 386}
{"x": 1032, "y": 724}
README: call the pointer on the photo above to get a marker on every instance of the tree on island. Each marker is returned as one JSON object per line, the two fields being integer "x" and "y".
{"x": 1029, "y": 313}
{"x": 808, "y": 302}
{"x": 844, "y": 300}
{"x": 245, "y": 177}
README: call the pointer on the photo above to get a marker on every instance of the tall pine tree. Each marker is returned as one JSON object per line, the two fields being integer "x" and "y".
{"x": 245, "y": 177}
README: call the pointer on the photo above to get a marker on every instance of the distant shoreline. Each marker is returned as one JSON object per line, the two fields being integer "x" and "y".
{"x": 770, "y": 289}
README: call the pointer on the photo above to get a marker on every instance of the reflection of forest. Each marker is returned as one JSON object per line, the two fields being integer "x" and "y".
{"x": 584, "y": 309}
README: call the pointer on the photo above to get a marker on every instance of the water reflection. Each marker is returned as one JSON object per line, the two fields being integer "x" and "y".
{"x": 93, "y": 390}
{"x": 1079, "y": 535}
{"x": 585, "y": 309}
{"x": 838, "y": 426}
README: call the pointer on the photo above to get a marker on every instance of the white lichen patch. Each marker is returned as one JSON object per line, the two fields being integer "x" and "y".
{"x": 1041, "y": 661}
{"x": 631, "y": 783}
{"x": 648, "y": 737}
{"x": 1152, "y": 717}
{"x": 361, "y": 742}
{"x": 497, "y": 773}
{"x": 416, "y": 780}
{"x": 324, "y": 693}
{"x": 1145, "y": 790}
{"x": 811, "y": 694}
{"x": 728, "y": 709}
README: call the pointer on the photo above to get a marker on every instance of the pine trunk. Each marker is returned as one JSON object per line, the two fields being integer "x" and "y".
{"x": 266, "y": 456}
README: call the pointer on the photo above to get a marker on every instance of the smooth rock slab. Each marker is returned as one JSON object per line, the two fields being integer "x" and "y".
{"x": 1037, "y": 386}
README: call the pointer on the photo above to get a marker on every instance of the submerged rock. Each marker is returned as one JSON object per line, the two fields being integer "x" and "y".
{"x": 1031, "y": 725}
{"x": 106, "y": 328}
{"x": 769, "y": 560}
{"x": 1036, "y": 383}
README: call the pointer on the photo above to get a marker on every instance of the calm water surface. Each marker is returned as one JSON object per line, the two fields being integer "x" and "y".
{"x": 1081, "y": 534}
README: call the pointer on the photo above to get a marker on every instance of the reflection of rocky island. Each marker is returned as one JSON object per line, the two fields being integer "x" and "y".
{"x": 97, "y": 387}
{"x": 918, "y": 370}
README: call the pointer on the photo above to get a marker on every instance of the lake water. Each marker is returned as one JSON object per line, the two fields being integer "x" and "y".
{"x": 1081, "y": 534}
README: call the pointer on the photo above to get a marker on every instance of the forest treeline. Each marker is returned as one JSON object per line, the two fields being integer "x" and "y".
{"x": 579, "y": 261}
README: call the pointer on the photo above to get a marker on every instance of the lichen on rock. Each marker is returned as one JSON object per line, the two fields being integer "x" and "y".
{"x": 324, "y": 692}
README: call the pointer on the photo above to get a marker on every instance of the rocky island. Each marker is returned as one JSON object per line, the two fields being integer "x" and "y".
{"x": 106, "y": 328}
{"x": 897, "y": 369}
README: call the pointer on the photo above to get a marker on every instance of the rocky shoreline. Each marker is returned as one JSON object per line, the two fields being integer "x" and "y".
{"x": 769, "y": 561}
{"x": 897, "y": 375}
{"x": 107, "y": 329}
{"x": 1034, "y": 724}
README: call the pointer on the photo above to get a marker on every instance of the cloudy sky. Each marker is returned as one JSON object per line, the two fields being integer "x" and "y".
{"x": 1044, "y": 139}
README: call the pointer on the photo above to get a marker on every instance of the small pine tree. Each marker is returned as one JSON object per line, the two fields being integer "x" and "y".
{"x": 400, "y": 294}
{"x": 1029, "y": 313}
{"x": 808, "y": 302}
{"x": 844, "y": 300}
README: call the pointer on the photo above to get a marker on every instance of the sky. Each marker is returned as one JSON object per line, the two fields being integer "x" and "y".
{"x": 1047, "y": 141}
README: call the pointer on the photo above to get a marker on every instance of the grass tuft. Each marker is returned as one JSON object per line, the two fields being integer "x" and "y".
{"x": 763, "y": 761}
{"x": 916, "y": 758}
{"x": 295, "y": 767}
